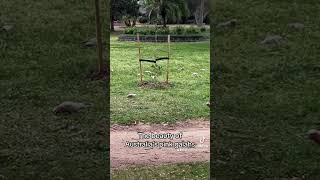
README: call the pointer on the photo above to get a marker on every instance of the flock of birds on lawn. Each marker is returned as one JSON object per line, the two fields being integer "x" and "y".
{"x": 70, "y": 107}
{"x": 270, "y": 40}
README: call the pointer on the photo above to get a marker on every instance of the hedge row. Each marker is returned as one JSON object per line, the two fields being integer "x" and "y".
{"x": 164, "y": 38}
{"x": 179, "y": 30}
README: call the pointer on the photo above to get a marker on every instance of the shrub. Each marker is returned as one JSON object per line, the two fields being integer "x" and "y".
{"x": 203, "y": 29}
{"x": 143, "y": 31}
{"x": 147, "y": 30}
{"x": 163, "y": 31}
{"x": 143, "y": 19}
{"x": 151, "y": 31}
{"x": 179, "y": 30}
{"x": 130, "y": 30}
{"x": 192, "y": 30}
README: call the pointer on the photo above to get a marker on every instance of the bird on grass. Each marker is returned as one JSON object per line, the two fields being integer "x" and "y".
{"x": 314, "y": 135}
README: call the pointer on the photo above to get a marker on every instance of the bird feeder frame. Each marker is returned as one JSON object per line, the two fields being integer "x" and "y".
{"x": 155, "y": 57}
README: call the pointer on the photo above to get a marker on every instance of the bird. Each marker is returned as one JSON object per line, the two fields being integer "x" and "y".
{"x": 231, "y": 23}
{"x": 314, "y": 135}
{"x": 70, "y": 107}
{"x": 208, "y": 104}
{"x": 131, "y": 95}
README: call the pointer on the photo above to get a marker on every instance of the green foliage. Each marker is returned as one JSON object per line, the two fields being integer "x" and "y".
{"x": 130, "y": 30}
{"x": 151, "y": 30}
{"x": 179, "y": 30}
{"x": 192, "y": 30}
{"x": 203, "y": 29}
{"x": 163, "y": 30}
{"x": 143, "y": 19}
{"x": 172, "y": 10}
{"x": 124, "y": 8}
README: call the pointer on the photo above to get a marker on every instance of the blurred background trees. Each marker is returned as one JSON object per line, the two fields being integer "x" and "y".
{"x": 160, "y": 12}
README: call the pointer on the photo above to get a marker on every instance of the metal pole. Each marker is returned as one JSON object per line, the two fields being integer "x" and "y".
{"x": 139, "y": 49}
{"x": 98, "y": 37}
{"x": 168, "y": 58}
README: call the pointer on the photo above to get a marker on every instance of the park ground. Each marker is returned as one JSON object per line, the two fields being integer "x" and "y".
{"x": 266, "y": 98}
{"x": 258, "y": 92}
{"x": 187, "y": 96}
{"x": 153, "y": 160}
{"x": 42, "y": 64}
{"x": 185, "y": 99}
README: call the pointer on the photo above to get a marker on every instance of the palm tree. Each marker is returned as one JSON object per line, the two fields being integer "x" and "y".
{"x": 167, "y": 9}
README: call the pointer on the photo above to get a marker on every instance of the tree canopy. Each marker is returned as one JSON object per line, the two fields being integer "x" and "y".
{"x": 165, "y": 10}
{"x": 159, "y": 11}
{"x": 126, "y": 10}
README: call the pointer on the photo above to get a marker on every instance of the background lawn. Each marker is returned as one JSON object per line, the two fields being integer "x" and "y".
{"x": 42, "y": 64}
{"x": 266, "y": 98}
{"x": 186, "y": 98}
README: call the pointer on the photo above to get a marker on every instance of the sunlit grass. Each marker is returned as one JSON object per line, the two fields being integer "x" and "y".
{"x": 190, "y": 171}
{"x": 187, "y": 96}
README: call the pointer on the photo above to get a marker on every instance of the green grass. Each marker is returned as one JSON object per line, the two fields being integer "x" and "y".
{"x": 185, "y": 99}
{"x": 43, "y": 64}
{"x": 177, "y": 171}
{"x": 266, "y": 98}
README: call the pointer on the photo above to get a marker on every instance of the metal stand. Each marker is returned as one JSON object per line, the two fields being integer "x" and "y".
{"x": 153, "y": 60}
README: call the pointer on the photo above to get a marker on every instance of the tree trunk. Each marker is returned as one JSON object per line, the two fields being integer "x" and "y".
{"x": 127, "y": 22}
{"x": 134, "y": 21}
{"x": 163, "y": 15}
{"x": 164, "y": 22}
{"x": 199, "y": 14}
{"x": 101, "y": 66}
{"x": 112, "y": 23}
{"x": 130, "y": 22}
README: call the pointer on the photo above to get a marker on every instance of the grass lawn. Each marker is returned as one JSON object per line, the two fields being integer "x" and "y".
{"x": 178, "y": 171}
{"x": 184, "y": 100}
{"x": 42, "y": 64}
{"x": 266, "y": 98}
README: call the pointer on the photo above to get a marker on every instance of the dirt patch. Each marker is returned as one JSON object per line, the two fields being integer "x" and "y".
{"x": 195, "y": 131}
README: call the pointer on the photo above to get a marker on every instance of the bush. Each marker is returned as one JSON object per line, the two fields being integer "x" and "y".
{"x": 192, "y": 30}
{"x": 146, "y": 31}
{"x": 163, "y": 31}
{"x": 143, "y": 19}
{"x": 179, "y": 30}
{"x": 203, "y": 29}
{"x": 151, "y": 31}
{"x": 130, "y": 30}
{"x": 142, "y": 31}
